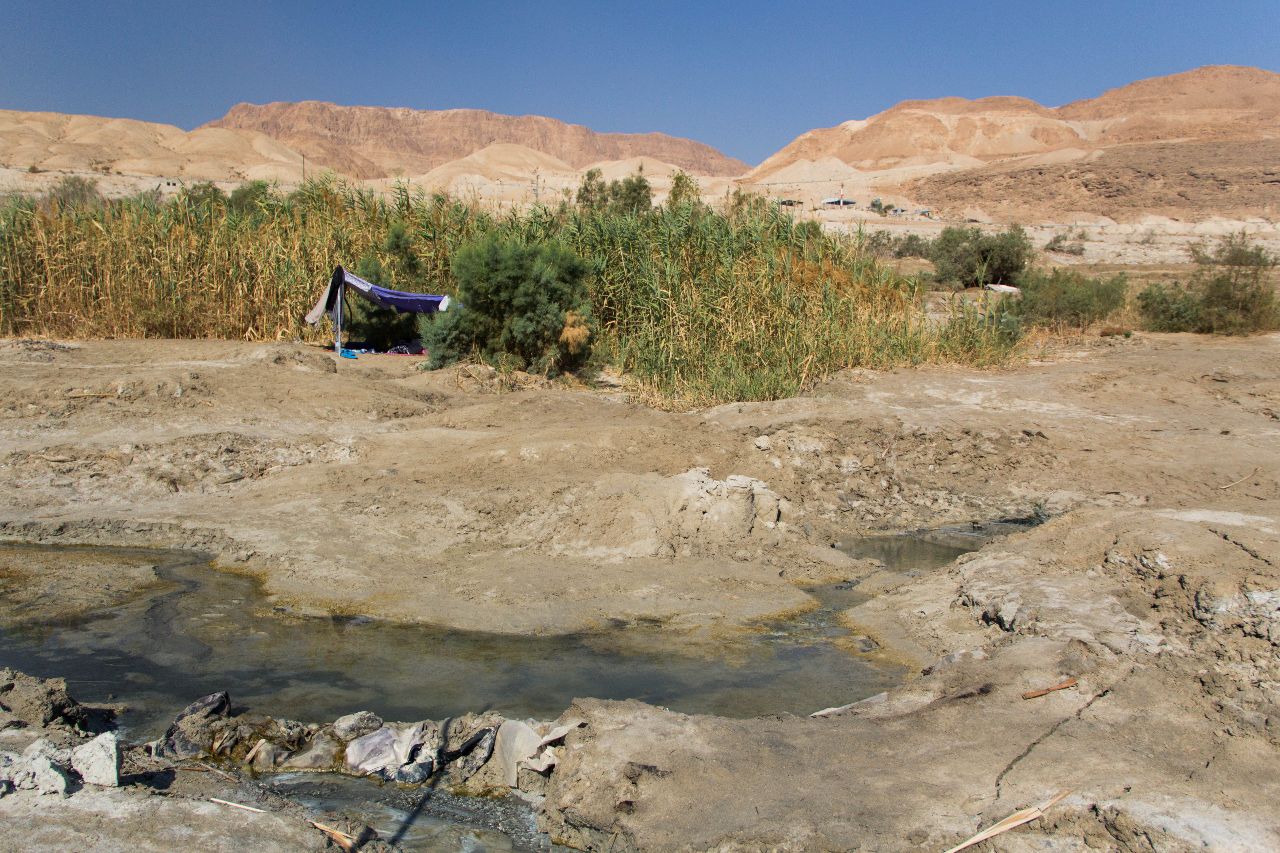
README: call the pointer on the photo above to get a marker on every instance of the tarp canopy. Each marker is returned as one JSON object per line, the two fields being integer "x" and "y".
{"x": 331, "y": 300}
{"x": 414, "y": 303}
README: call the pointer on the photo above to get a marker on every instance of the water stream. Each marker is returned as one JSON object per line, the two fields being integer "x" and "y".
{"x": 204, "y": 630}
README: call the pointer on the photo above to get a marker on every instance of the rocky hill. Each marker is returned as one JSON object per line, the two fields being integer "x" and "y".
{"x": 1216, "y": 102}
{"x": 54, "y": 142}
{"x": 379, "y": 142}
{"x": 1194, "y": 143}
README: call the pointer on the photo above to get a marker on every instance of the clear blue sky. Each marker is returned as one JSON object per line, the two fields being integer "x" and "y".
{"x": 744, "y": 76}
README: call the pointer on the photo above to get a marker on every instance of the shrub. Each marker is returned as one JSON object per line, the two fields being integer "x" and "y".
{"x": 631, "y": 196}
{"x": 74, "y": 191}
{"x": 1061, "y": 243}
{"x": 1062, "y": 298}
{"x": 205, "y": 194}
{"x": 521, "y": 305}
{"x": 1170, "y": 308}
{"x": 248, "y": 198}
{"x": 1229, "y": 294}
{"x": 883, "y": 244}
{"x": 971, "y": 258}
{"x": 593, "y": 193}
{"x": 685, "y": 191}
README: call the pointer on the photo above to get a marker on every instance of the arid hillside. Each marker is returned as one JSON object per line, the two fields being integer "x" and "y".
{"x": 380, "y": 142}
{"x": 77, "y": 143}
{"x": 1194, "y": 144}
{"x": 1173, "y": 179}
{"x": 1216, "y": 102}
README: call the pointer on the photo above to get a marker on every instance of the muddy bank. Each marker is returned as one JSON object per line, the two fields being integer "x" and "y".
{"x": 377, "y": 490}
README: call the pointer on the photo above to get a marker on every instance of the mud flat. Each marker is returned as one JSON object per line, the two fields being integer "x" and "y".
{"x": 372, "y": 490}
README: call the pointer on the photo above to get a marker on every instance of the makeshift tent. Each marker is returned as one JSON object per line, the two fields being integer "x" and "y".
{"x": 331, "y": 302}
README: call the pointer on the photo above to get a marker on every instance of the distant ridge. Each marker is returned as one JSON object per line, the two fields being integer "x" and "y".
{"x": 1213, "y": 102}
{"x": 380, "y": 142}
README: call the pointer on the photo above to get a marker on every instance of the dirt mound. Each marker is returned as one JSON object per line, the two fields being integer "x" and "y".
{"x": 379, "y": 142}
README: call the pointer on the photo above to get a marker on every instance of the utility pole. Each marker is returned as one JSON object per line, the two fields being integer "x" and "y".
{"x": 304, "y": 168}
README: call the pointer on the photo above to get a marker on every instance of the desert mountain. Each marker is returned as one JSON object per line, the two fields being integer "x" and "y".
{"x": 1194, "y": 143}
{"x": 1215, "y": 102}
{"x": 76, "y": 143}
{"x": 379, "y": 142}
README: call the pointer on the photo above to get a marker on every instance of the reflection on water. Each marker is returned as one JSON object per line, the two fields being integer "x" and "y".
{"x": 920, "y": 551}
{"x": 211, "y": 630}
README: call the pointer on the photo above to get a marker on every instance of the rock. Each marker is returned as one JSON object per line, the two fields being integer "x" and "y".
{"x": 384, "y": 752}
{"x": 50, "y": 750}
{"x": 190, "y": 733}
{"x": 474, "y": 754}
{"x": 514, "y": 742}
{"x": 9, "y": 762}
{"x": 763, "y": 442}
{"x": 356, "y": 725}
{"x": 40, "y": 773}
{"x": 268, "y": 756}
{"x": 42, "y": 702}
{"x": 321, "y": 754}
{"x": 98, "y": 761}
{"x": 415, "y": 773}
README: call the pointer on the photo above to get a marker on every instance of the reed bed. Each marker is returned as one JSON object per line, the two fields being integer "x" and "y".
{"x": 702, "y": 306}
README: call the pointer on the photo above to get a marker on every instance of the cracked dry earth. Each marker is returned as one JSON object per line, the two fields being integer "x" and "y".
{"x": 380, "y": 490}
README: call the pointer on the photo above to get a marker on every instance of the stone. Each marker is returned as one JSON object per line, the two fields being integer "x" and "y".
{"x": 39, "y": 773}
{"x": 474, "y": 754}
{"x": 356, "y": 725}
{"x": 48, "y": 749}
{"x": 415, "y": 773}
{"x": 190, "y": 734}
{"x": 269, "y": 756}
{"x": 514, "y": 742}
{"x": 320, "y": 754}
{"x": 385, "y": 751}
{"x": 763, "y": 442}
{"x": 44, "y": 701}
{"x": 98, "y": 761}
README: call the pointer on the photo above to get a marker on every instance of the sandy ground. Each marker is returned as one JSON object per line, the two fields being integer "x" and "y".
{"x": 370, "y": 487}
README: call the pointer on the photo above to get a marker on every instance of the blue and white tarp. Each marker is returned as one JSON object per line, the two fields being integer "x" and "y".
{"x": 330, "y": 302}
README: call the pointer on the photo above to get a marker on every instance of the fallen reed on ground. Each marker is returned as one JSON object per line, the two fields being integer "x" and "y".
{"x": 702, "y": 306}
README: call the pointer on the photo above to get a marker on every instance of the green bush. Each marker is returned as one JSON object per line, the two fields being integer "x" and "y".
{"x": 971, "y": 258}
{"x": 248, "y": 198}
{"x": 74, "y": 191}
{"x": 520, "y": 305}
{"x": 593, "y": 192}
{"x": 1062, "y": 298}
{"x": 1170, "y": 308}
{"x": 885, "y": 245}
{"x": 1229, "y": 294}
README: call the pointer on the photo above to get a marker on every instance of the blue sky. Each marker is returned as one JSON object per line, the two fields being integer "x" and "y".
{"x": 746, "y": 77}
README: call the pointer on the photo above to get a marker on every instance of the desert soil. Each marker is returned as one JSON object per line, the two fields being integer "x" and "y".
{"x": 456, "y": 499}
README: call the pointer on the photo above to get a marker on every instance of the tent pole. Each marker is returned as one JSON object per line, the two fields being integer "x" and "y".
{"x": 337, "y": 330}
